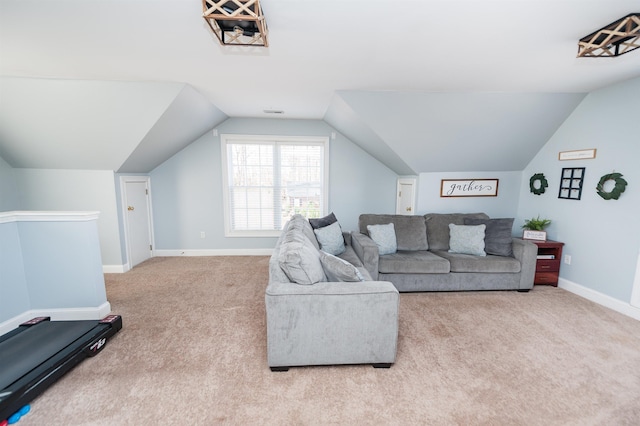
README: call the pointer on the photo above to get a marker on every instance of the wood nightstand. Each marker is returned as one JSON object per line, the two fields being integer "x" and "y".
{"x": 548, "y": 263}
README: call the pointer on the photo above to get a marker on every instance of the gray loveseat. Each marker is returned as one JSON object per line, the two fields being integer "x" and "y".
{"x": 313, "y": 321}
{"x": 423, "y": 262}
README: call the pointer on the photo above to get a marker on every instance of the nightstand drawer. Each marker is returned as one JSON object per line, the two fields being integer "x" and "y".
{"x": 548, "y": 265}
{"x": 546, "y": 278}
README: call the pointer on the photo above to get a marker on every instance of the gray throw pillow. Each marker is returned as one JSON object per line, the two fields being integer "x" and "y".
{"x": 497, "y": 237}
{"x": 338, "y": 269}
{"x": 323, "y": 221}
{"x": 385, "y": 238}
{"x": 467, "y": 239}
{"x": 331, "y": 239}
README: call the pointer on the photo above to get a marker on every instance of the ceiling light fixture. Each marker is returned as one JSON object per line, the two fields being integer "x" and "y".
{"x": 236, "y": 22}
{"x": 615, "y": 39}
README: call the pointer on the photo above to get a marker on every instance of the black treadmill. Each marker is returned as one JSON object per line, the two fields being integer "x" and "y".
{"x": 39, "y": 352}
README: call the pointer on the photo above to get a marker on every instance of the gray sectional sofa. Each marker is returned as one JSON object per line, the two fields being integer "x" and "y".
{"x": 423, "y": 261}
{"x": 316, "y": 320}
{"x": 327, "y": 309}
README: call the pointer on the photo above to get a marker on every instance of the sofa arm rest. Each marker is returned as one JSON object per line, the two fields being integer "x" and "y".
{"x": 527, "y": 253}
{"x": 367, "y": 251}
{"x": 331, "y": 323}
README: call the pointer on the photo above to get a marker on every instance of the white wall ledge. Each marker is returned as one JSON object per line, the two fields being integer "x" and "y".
{"x": 48, "y": 216}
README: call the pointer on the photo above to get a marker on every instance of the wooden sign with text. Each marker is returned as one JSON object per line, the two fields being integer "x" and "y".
{"x": 469, "y": 188}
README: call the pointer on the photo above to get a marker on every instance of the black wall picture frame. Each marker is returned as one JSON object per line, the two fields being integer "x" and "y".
{"x": 571, "y": 183}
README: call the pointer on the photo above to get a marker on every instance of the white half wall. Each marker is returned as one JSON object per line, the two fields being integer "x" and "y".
{"x": 50, "y": 265}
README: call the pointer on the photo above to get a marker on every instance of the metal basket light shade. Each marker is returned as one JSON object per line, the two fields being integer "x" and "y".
{"x": 617, "y": 38}
{"x": 236, "y": 22}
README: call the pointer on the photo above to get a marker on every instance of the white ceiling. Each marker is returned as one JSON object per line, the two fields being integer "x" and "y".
{"x": 412, "y": 78}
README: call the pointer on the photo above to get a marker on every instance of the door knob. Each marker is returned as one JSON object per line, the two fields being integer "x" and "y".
{"x": 130, "y": 208}
{"x": 408, "y": 209}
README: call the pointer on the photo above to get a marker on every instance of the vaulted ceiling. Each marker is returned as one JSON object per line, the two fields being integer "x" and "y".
{"x": 422, "y": 85}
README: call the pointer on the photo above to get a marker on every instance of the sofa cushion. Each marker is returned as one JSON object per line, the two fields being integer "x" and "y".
{"x": 411, "y": 232}
{"x": 497, "y": 237}
{"x": 337, "y": 269}
{"x": 330, "y": 238}
{"x": 438, "y": 227}
{"x": 276, "y": 273}
{"x": 299, "y": 259}
{"x": 384, "y": 236}
{"x": 467, "y": 239}
{"x": 487, "y": 264}
{"x": 350, "y": 256}
{"x": 413, "y": 262}
{"x": 301, "y": 223}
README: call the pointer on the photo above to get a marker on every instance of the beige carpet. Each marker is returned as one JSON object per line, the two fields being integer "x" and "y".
{"x": 193, "y": 352}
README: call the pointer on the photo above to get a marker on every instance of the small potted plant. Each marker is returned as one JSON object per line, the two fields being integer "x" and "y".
{"x": 534, "y": 229}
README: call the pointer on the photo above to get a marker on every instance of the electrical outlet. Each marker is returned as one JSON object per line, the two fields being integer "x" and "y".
{"x": 202, "y": 234}
{"x": 567, "y": 259}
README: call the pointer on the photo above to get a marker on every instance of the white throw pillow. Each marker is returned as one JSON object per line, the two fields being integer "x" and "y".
{"x": 467, "y": 239}
{"x": 331, "y": 239}
{"x": 385, "y": 237}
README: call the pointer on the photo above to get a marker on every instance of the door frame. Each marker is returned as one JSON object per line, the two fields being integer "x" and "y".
{"x": 635, "y": 292}
{"x": 406, "y": 181}
{"x": 123, "y": 211}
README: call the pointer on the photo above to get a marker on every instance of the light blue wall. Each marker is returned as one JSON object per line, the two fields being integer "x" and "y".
{"x": 14, "y": 295}
{"x": 504, "y": 205}
{"x": 186, "y": 197}
{"x": 602, "y": 237}
{"x": 62, "y": 264}
{"x": 75, "y": 190}
{"x": 8, "y": 189}
{"x": 187, "y": 188}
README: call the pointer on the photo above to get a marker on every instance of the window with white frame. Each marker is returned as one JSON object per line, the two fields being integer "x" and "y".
{"x": 268, "y": 179}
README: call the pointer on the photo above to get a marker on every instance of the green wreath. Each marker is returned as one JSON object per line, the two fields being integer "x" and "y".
{"x": 534, "y": 187}
{"x": 618, "y": 189}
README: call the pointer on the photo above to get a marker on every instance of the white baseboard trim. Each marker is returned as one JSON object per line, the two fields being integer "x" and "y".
{"x": 120, "y": 269}
{"x": 115, "y": 269}
{"x": 599, "y": 298}
{"x": 57, "y": 314}
{"x": 214, "y": 252}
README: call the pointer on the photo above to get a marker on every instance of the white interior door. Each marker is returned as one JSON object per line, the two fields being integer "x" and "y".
{"x": 137, "y": 216}
{"x": 405, "y": 203}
